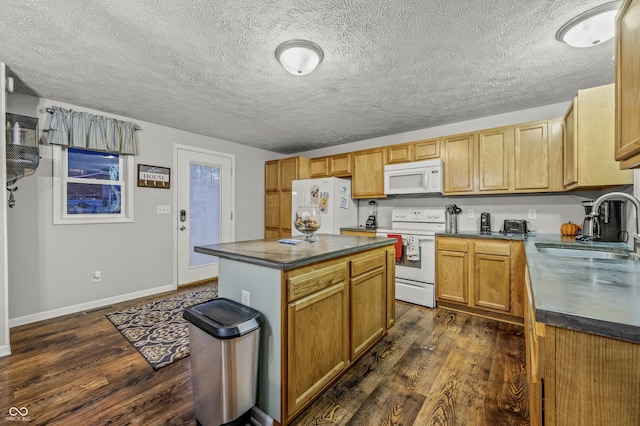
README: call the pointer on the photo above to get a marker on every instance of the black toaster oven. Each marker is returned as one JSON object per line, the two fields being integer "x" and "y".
{"x": 515, "y": 226}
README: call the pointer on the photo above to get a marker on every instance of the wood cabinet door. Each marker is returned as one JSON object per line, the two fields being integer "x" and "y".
{"x": 531, "y": 149}
{"x": 368, "y": 173}
{"x": 286, "y": 220}
{"x": 288, "y": 172}
{"x": 494, "y": 159}
{"x": 272, "y": 210}
{"x": 391, "y": 287}
{"x": 570, "y": 145}
{"x": 426, "y": 149}
{"x": 399, "y": 153}
{"x": 452, "y": 281}
{"x": 492, "y": 282}
{"x": 317, "y": 348}
{"x": 533, "y": 357}
{"x": 459, "y": 169}
{"x": 272, "y": 175}
{"x": 627, "y": 78}
{"x": 319, "y": 167}
{"x": 340, "y": 165}
{"x": 368, "y": 308}
{"x": 492, "y": 275}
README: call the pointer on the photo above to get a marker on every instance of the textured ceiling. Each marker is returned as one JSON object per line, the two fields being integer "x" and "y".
{"x": 389, "y": 66}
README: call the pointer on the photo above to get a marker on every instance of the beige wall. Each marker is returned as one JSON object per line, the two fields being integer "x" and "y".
{"x": 51, "y": 266}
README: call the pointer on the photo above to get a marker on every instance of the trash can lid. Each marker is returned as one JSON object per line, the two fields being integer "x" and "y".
{"x": 224, "y": 318}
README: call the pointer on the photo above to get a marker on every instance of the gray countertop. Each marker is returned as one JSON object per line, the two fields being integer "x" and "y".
{"x": 360, "y": 229}
{"x": 272, "y": 254}
{"x": 599, "y": 296}
{"x": 478, "y": 234}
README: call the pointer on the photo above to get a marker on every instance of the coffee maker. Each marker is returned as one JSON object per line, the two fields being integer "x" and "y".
{"x": 372, "y": 222}
{"x": 609, "y": 225}
{"x": 485, "y": 223}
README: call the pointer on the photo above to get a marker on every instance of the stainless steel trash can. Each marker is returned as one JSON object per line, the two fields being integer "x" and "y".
{"x": 224, "y": 339}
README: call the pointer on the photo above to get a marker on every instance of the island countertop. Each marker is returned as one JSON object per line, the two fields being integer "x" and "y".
{"x": 272, "y": 254}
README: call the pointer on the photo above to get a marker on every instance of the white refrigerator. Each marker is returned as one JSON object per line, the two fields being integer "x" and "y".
{"x": 333, "y": 198}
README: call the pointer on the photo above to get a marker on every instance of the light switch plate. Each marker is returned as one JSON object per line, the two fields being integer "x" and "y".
{"x": 532, "y": 213}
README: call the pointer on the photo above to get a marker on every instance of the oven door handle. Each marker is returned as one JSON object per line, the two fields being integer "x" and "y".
{"x": 420, "y": 237}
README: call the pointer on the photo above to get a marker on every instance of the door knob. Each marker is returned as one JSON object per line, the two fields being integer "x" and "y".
{"x": 182, "y": 228}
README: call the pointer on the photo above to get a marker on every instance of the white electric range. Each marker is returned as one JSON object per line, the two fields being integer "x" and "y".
{"x": 416, "y": 262}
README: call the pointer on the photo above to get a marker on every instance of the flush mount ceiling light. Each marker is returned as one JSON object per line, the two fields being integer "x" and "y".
{"x": 590, "y": 28}
{"x": 299, "y": 57}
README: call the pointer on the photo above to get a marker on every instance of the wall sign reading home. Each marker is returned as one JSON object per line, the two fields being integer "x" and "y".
{"x": 154, "y": 176}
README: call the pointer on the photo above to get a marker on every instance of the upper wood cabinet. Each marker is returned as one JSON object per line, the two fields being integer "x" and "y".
{"x": 426, "y": 149}
{"x": 338, "y": 165}
{"x": 402, "y": 153}
{"x": 459, "y": 163}
{"x": 514, "y": 159}
{"x": 413, "y": 151}
{"x": 628, "y": 85}
{"x": 531, "y": 156}
{"x": 319, "y": 167}
{"x": 367, "y": 167}
{"x": 495, "y": 150}
{"x": 278, "y": 175}
{"x": 589, "y": 141}
{"x": 291, "y": 169}
{"x": 272, "y": 175}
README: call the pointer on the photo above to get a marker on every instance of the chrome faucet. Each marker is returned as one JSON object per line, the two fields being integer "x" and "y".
{"x": 588, "y": 232}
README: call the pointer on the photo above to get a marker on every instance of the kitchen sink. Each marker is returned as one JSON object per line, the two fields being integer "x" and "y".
{"x": 587, "y": 252}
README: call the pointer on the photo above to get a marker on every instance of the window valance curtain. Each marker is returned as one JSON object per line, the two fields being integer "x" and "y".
{"x": 88, "y": 131}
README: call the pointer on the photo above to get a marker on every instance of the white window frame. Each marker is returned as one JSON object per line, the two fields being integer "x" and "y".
{"x": 60, "y": 215}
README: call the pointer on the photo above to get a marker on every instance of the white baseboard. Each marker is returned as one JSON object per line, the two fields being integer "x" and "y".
{"x": 28, "y": 319}
{"x": 260, "y": 418}
{"x": 5, "y": 350}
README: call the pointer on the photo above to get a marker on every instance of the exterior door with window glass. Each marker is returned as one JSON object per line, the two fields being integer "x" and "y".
{"x": 203, "y": 211}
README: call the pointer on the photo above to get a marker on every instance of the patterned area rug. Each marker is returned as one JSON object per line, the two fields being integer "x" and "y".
{"x": 157, "y": 330}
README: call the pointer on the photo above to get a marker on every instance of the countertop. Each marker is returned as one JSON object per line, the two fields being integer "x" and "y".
{"x": 272, "y": 254}
{"x": 599, "y": 296}
{"x": 478, "y": 234}
{"x": 359, "y": 229}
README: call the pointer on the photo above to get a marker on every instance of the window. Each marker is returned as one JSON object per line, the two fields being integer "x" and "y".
{"x": 91, "y": 186}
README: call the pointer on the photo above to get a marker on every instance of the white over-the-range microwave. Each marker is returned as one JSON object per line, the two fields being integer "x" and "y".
{"x": 419, "y": 177}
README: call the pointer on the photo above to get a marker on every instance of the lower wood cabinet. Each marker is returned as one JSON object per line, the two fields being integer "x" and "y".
{"x": 318, "y": 336}
{"x": 368, "y": 301}
{"x": 481, "y": 276}
{"x": 586, "y": 379}
{"x": 335, "y": 312}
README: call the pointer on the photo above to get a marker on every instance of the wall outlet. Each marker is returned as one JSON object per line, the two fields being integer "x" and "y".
{"x": 97, "y": 276}
{"x": 246, "y": 298}
{"x": 532, "y": 213}
{"x": 164, "y": 209}
{"x": 471, "y": 214}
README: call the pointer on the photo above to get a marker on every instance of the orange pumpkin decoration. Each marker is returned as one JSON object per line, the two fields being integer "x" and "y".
{"x": 570, "y": 229}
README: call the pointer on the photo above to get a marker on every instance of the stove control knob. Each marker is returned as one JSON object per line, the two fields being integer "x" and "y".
{"x": 437, "y": 216}
{"x": 430, "y": 216}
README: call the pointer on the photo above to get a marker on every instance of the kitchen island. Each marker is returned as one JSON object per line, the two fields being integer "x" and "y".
{"x": 326, "y": 304}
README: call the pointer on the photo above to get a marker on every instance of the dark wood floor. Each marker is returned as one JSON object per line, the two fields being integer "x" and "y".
{"x": 436, "y": 367}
